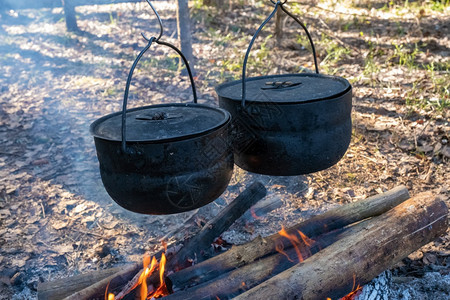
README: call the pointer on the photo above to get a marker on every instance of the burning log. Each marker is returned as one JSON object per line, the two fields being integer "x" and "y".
{"x": 244, "y": 254}
{"x": 202, "y": 241}
{"x": 92, "y": 291}
{"x": 93, "y": 284}
{"x": 366, "y": 251}
{"x": 241, "y": 279}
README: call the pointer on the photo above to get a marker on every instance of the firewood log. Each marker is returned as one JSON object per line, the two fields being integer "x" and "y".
{"x": 244, "y": 254}
{"x": 375, "y": 246}
{"x": 239, "y": 280}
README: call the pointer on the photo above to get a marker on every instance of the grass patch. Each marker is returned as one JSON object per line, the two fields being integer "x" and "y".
{"x": 168, "y": 63}
{"x": 434, "y": 93}
{"x": 404, "y": 56}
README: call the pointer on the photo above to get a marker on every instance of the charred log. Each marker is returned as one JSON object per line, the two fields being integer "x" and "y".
{"x": 366, "y": 251}
{"x": 333, "y": 219}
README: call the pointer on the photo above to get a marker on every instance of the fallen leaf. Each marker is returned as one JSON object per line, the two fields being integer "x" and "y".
{"x": 62, "y": 249}
{"x": 4, "y": 213}
{"x": 60, "y": 224}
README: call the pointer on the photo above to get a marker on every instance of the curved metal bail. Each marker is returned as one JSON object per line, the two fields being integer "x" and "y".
{"x": 125, "y": 96}
{"x": 130, "y": 75}
{"x": 244, "y": 65}
{"x": 313, "y": 49}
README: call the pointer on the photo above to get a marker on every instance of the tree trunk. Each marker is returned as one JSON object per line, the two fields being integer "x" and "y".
{"x": 69, "y": 13}
{"x": 184, "y": 32}
{"x": 279, "y": 26}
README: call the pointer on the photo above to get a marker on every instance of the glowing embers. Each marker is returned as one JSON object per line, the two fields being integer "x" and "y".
{"x": 301, "y": 243}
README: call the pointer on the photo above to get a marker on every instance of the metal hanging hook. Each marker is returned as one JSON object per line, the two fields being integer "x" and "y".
{"x": 159, "y": 21}
{"x": 278, "y": 2}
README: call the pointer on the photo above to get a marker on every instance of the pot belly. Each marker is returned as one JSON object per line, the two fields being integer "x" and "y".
{"x": 173, "y": 193}
{"x": 290, "y": 139}
{"x": 294, "y": 153}
{"x": 167, "y": 178}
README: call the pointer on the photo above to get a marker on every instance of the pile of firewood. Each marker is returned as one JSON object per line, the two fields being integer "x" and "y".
{"x": 320, "y": 258}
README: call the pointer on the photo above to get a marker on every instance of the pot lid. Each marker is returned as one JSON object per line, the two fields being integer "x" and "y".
{"x": 163, "y": 122}
{"x": 287, "y": 88}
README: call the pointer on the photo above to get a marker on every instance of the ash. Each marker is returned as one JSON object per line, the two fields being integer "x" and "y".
{"x": 433, "y": 285}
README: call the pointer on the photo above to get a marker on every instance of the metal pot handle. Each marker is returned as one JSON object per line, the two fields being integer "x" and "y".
{"x": 130, "y": 74}
{"x": 244, "y": 67}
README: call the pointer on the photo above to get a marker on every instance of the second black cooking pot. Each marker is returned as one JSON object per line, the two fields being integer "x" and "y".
{"x": 288, "y": 124}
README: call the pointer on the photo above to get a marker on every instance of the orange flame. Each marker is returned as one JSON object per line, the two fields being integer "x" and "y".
{"x": 150, "y": 264}
{"x": 164, "y": 243}
{"x": 300, "y": 245}
{"x": 308, "y": 242}
{"x": 355, "y": 291}
{"x": 162, "y": 290}
{"x": 146, "y": 272}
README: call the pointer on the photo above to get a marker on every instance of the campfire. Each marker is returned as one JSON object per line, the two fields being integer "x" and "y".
{"x": 328, "y": 256}
{"x": 265, "y": 128}
{"x": 150, "y": 265}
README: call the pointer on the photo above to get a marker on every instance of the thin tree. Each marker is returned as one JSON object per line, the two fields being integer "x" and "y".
{"x": 184, "y": 31}
{"x": 69, "y": 13}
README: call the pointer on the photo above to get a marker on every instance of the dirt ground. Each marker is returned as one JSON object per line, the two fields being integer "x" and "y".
{"x": 56, "y": 219}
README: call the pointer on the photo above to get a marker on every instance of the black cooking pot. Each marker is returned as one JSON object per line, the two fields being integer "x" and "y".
{"x": 288, "y": 124}
{"x": 171, "y": 158}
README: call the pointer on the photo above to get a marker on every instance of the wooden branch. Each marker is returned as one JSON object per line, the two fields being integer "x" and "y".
{"x": 244, "y": 254}
{"x": 374, "y": 247}
{"x": 61, "y": 288}
{"x": 216, "y": 226}
{"x": 97, "y": 289}
{"x": 263, "y": 207}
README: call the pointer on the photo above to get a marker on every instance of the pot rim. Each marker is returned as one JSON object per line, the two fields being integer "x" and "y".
{"x": 226, "y": 120}
{"x": 239, "y": 99}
